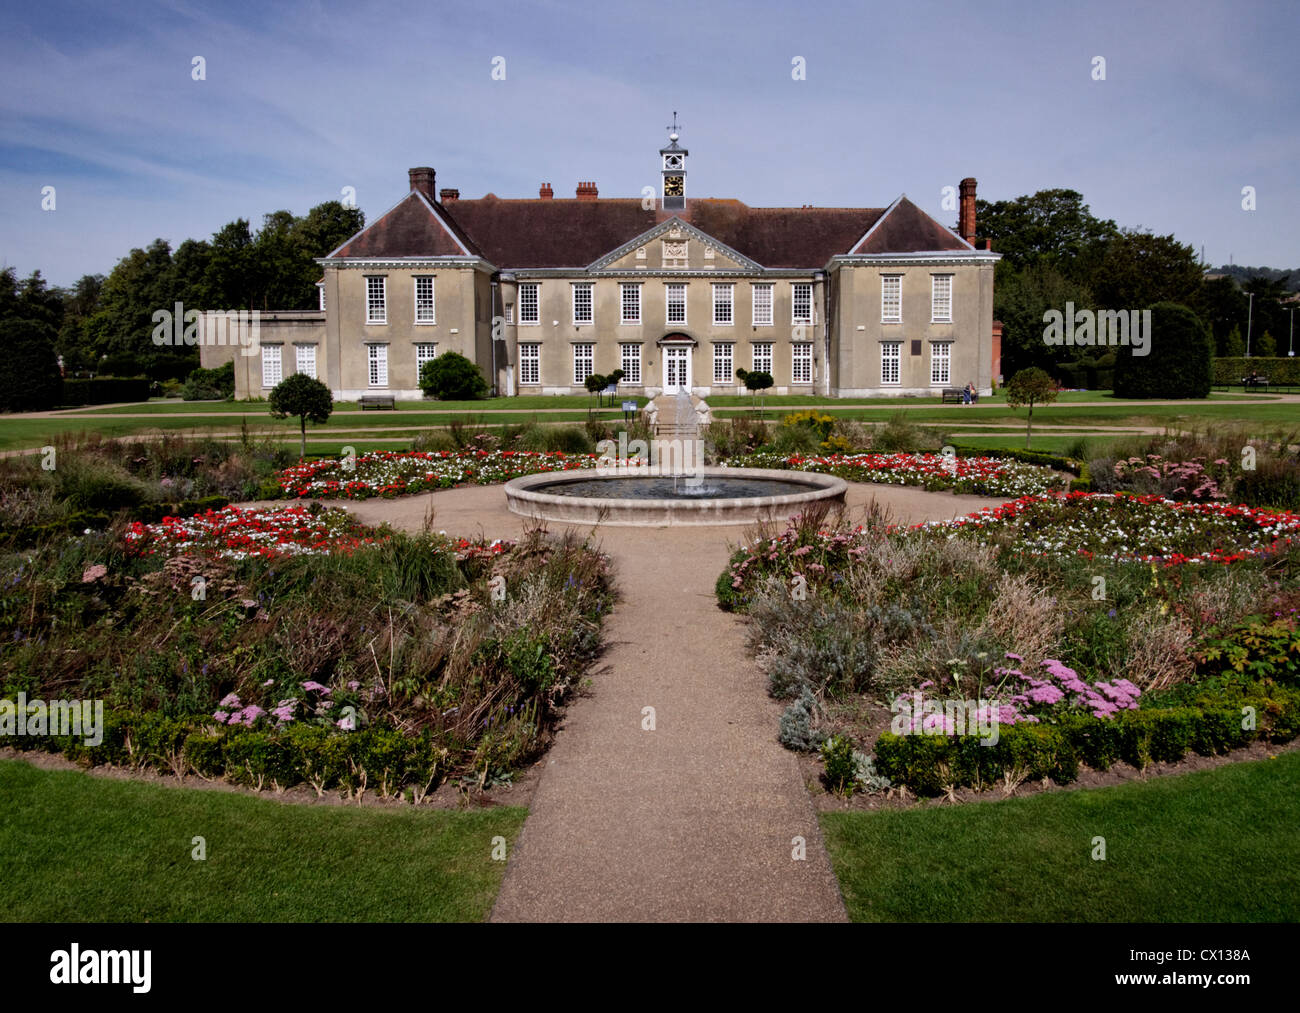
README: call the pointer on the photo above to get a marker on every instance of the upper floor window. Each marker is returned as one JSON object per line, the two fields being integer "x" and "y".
{"x": 582, "y": 307}
{"x": 722, "y": 304}
{"x": 891, "y": 299}
{"x": 529, "y": 306}
{"x": 801, "y": 302}
{"x": 424, "y": 299}
{"x": 631, "y": 303}
{"x": 762, "y": 305}
{"x": 320, "y": 287}
{"x": 675, "y": 294}
{"x": 377, "y": 300}
{"x": 941, "y": 298}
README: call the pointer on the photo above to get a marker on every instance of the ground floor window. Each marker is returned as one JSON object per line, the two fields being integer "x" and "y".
{"x": 801, "y": 362}
{"x": 763, "y": 357}
{"x": 940, "y": 362}
{"x": 723, "y": 363}
{"x": 630, "y": 363}
{"x": 530, "y": 363}
{"x": 272, "y": 365}
{"x": 891, "y": 354}
{"x": 305, "y": 360}
{"x": 583, "y": 356}
{"x": 426, "y": 351}
{"x": 378, "y": 359}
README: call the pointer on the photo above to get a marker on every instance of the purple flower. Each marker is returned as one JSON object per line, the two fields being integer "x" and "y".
{"x": 315, "y": 687}
{"x": 229, "y": 700}
{"x": 220, "y": 716}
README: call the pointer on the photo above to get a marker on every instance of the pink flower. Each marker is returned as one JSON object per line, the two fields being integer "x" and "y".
{"x": 229, "y": 700}
{"x": 348, "y": 724}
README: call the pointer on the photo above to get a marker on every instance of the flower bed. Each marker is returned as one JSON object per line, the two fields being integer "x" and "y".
{"x": 233, "y": 533}
{"x": 981, "y": 476}
{"x": 392, "y": 473}
{"x": 1123, "y": 527}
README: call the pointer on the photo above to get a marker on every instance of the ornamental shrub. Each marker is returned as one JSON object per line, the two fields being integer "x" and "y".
{"x": 452, "y": 377}
{"x": 796, "y": 729}
{"x": 1178, "y": 364}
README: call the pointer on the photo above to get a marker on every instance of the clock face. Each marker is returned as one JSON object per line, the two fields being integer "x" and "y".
{"x": 673, "y": 186}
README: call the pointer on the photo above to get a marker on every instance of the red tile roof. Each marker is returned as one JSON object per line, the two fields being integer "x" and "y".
{"x": 534, "y": 233}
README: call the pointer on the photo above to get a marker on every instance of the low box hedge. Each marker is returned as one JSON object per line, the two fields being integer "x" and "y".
{"x": 105, "y": 390}
{"x": 929, "y": 764}
{"x": 376, "y": 758}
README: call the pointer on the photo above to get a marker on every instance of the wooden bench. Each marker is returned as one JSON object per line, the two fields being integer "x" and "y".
{"x": 953, "y": 395}
{"x": 378, "y": 401}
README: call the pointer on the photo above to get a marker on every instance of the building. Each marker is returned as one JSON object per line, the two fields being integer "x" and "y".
{"x": 676, "y": 291}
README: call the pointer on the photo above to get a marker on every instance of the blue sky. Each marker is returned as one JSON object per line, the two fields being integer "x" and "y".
{"x": 302, "y": 99}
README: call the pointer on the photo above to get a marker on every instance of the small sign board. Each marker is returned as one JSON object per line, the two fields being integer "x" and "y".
{"x": 629, "y": 406}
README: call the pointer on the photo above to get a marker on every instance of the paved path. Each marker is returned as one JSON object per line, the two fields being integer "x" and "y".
{"x": 696, "y": 820}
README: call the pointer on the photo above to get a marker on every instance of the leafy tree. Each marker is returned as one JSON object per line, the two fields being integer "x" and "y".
{"x": 756, "y": 383}
{"x": 1235, "y": 344}
{"x": 29, "y": 368}
{"x": 1136, "y": 269}
{"x": 1266, "y": 347}
{"x": 1222, "y": 305}
{"x": 1179, "y": 362}
{"x": 1052, "y": 226}
{"x": 1020, "y": 298}
{"x": 595, "y": 383}
{"x": 1029, "y": 387}
{"x": 452, "y": 377}
{"x": 306, "y": 398}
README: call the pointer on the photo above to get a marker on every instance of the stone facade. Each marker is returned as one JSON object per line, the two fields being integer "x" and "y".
{"x": 540, "y": 292}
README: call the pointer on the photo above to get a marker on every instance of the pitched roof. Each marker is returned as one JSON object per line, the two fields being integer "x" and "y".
{"x": 411, "y": 228}
{"x": 905, "y": 228}
{"x": 535, "y": 233}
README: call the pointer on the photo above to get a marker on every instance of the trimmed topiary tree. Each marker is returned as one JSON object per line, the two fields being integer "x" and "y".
{"x": 307, "y": 399}
{"x": 1030, "y": 387}
{"x": 30, "y": 380}
{"x": 452, "y": 377}
{"x": 1180, "y": 360}
{"x": 756, "y": 383}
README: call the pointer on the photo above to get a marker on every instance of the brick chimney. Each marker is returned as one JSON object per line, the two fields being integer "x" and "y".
{"x": 586, "y": 191}
{"x": 448, "y": 195}
{"x": 545, "y": 192}
{"x": 422, "y": 180}
{"x": 966, "y": 220}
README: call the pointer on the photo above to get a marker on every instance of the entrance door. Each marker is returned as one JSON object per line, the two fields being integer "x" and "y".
{"x": 677, "y": 369}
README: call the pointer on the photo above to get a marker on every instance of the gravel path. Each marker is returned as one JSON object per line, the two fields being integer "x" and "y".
{"x": 697, "y": 819}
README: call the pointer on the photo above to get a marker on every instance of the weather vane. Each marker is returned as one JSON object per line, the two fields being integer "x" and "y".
{"x": 674, "y": 128}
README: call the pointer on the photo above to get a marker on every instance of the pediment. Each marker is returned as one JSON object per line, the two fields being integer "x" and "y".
{"x": 674, "y": 245}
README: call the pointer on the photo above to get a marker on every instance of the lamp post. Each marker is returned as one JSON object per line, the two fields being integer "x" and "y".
{"x": 1250, "y": 313}
{"x": 1290, "y": 344}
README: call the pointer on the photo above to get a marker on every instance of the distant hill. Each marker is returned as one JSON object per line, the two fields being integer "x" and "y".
{"x": 1241, "y": 274}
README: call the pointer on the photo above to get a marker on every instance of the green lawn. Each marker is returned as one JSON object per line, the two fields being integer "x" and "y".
{"x": 530, "y": 402}
{"x": 1217, "y": 845}
{"x": 77, "y": 848}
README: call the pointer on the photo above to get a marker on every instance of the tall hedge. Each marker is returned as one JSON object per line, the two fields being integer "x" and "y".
{"x": 29, "y": 367}
{"x": 1279, "y": 370}
{"x": 1179, "y": 362}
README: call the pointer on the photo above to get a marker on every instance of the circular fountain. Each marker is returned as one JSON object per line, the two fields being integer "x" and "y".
{"x": 651, "y": 499}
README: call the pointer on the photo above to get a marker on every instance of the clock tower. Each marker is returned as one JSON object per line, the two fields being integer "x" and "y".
{"x": 674, "y": 171}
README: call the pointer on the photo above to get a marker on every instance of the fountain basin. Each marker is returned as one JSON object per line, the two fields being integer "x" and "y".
{"x": 710, "y": 496}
